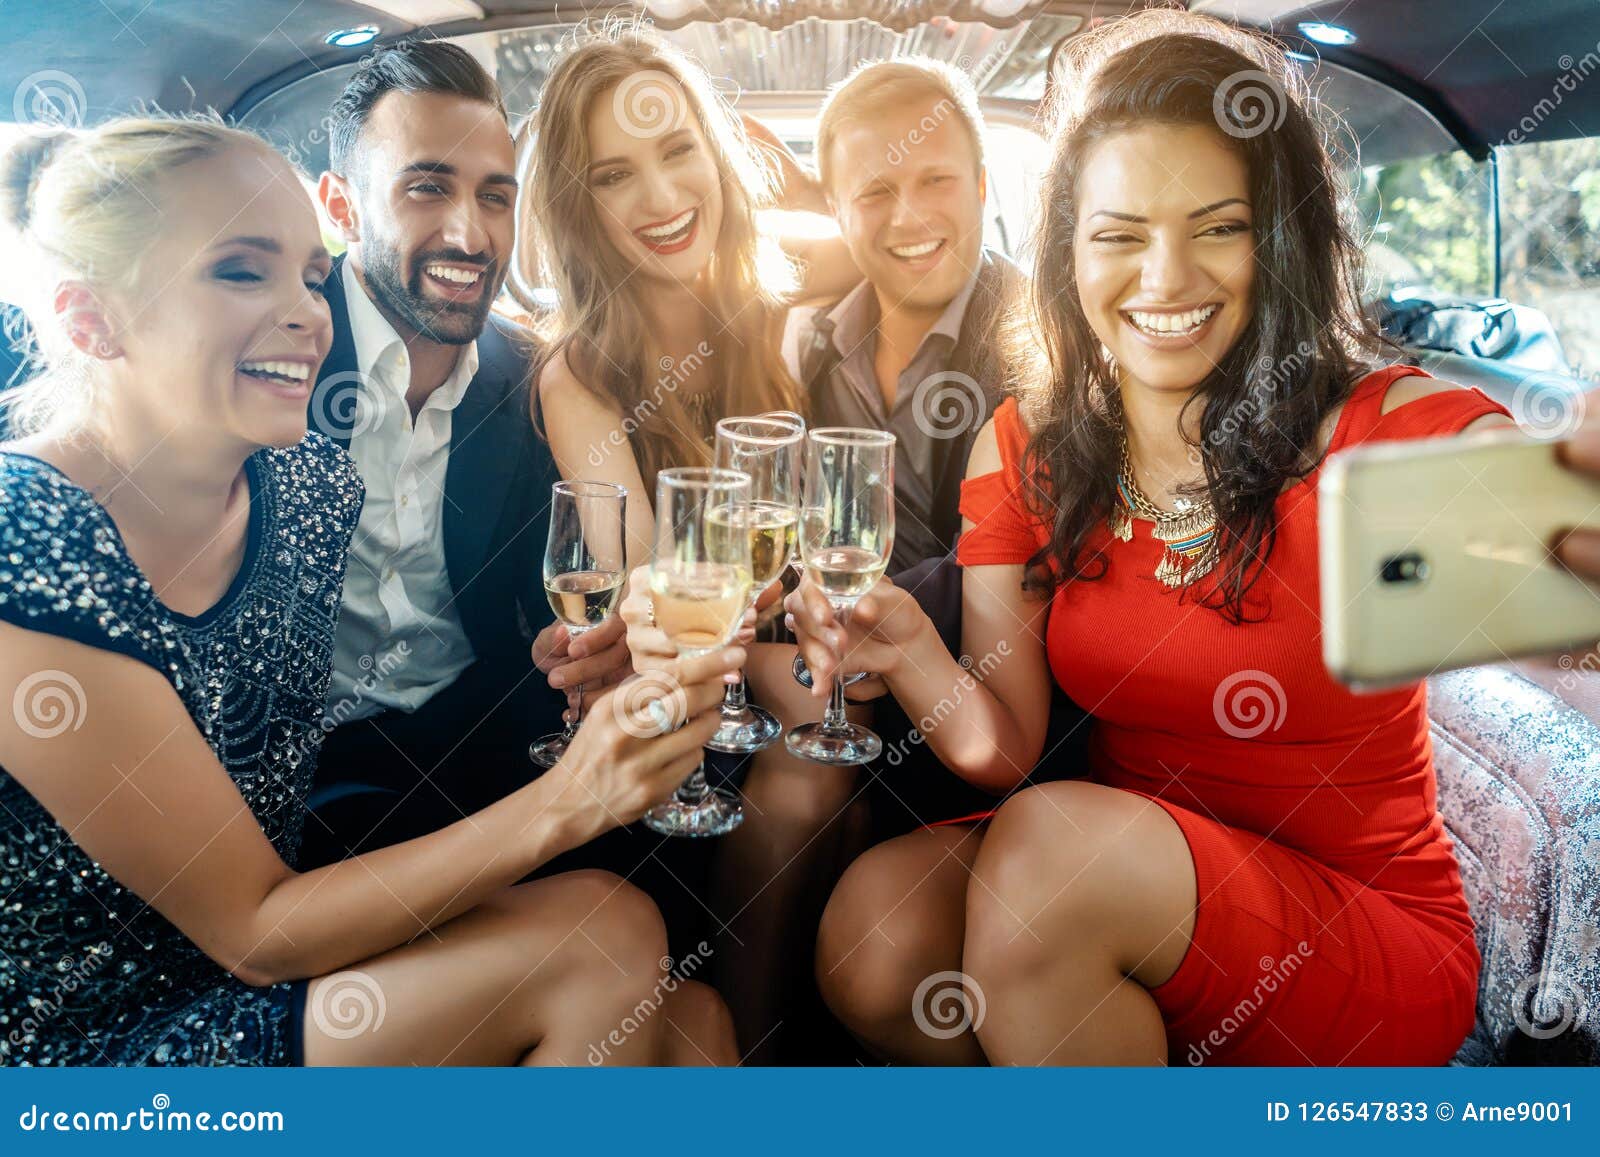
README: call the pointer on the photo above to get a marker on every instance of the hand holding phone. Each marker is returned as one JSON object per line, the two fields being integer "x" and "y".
{"x": 1579, "y": 549}
{"x": 1436, "y": 555}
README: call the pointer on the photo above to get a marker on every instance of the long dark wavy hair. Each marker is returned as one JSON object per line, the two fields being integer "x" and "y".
{"x": 1295, "y": 362}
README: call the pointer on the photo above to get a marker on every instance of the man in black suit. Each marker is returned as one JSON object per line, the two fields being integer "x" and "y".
{"x": 436, "y": 693}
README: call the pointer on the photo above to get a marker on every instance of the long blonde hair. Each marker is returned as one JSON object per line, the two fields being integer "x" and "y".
{"x": 87, "y": 206}
{"x": 596, "y": 324}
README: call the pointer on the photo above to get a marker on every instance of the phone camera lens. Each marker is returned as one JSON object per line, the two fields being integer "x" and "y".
{"x": 1404, "y": 568}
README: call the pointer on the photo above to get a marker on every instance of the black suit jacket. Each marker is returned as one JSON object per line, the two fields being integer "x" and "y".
{"x": 497, "y": 491}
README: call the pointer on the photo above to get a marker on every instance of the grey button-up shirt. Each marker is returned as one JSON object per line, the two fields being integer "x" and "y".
{"x": 851, "y": 327}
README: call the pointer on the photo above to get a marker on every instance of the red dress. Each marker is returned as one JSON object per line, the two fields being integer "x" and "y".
{"x": 1331, "y": 926}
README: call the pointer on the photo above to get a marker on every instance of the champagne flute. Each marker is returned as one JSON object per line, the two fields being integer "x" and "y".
{"x": 699, "y": 588}
{"x": 846, "y": 537}
{"x": 583, "y": 576}
{"x": 768, "y": 450}
{"x": 798, "y": 423}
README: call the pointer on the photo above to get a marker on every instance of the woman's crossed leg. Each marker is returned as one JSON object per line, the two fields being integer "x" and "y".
{"x": 562, "y": 971}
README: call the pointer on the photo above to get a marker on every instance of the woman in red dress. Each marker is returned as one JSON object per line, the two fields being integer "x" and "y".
{"x": 1254, "y": 870}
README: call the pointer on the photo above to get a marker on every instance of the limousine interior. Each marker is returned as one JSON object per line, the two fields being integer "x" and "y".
{"x": 1477, "y": 127}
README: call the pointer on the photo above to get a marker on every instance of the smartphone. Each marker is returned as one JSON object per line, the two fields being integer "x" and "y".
{"x": 1436, "y": 555}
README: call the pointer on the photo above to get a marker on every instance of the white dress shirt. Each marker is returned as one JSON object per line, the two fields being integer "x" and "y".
{"x": 400, "y": 640}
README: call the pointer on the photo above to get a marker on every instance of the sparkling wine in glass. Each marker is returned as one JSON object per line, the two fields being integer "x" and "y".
{"x": 699, "y": 589}
{"x": 767, "y": 449}
{"x": 846, "y": 538}
{"x": 583, "y": 575}
{"x": 798, "y": 423}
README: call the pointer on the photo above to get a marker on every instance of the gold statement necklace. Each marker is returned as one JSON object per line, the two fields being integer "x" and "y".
{"x": 1185, "y": 533}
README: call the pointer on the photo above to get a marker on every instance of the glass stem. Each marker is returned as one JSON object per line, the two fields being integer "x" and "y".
{"x": 693, "y": 791}
{"x": 733, "y": 699}
{"x": 834, "y": 720}
{"x": 570, "y": 731}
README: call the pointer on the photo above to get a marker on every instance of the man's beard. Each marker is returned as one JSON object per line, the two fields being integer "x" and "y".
{"x": 437, "y": 320}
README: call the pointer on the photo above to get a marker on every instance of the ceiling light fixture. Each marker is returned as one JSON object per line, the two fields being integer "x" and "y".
{"x": 1326, "y": 33}
{"x": 352, "y": 37}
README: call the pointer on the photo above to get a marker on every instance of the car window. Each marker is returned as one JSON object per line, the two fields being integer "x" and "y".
{"x": 1550, "y": 240}
{"x": 1424, "y": 204}
{"x": 1428, "y": 226}
{"x": 12, "y": 270}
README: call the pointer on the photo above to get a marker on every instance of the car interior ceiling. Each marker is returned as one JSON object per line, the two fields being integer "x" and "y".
{"x": 1413, "y": 87}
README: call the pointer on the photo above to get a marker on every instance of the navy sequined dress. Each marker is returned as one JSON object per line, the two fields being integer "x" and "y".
{"x": 89, "y": 973}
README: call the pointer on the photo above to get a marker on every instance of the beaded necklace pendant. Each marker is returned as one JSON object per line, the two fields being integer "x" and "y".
{"x": 1185, "y": 534}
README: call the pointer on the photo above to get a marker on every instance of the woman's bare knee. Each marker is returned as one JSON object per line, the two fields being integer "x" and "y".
{"x": 700, "y": 1027}
{"x": 1074, "y": 863}
{"x": 894, "y": 920}
{"x": 608, "y": 920}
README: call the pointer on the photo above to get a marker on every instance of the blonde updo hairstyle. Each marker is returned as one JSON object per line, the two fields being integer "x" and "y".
{"x": 86, "y": 206}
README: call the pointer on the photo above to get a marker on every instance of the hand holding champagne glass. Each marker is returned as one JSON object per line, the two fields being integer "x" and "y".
{"x": 846, "y": 537}
{"x": 768, "y": 450}
{"x": 582, "y": 575}
{"x": 699, "y": 588}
